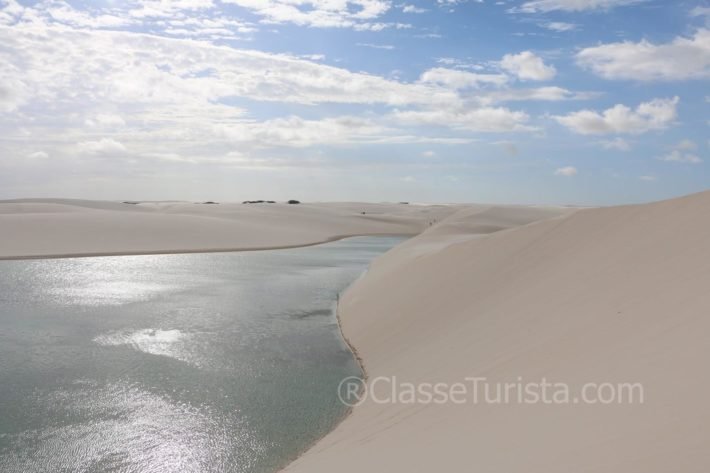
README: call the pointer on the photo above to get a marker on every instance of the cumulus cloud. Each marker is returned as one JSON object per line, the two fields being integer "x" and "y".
{"x": 107, "y": 120}
{"x": 298, "y": 132}
{"x": 356, "y": 14}
{"x": 700, "y": 11}
{"x": 102, "y": 146}
{"x": 559, "y": 26}
{"x": 550, "y": 94}
{"x": 485, "y": 119}
{"x": 38, "y": 155}
{"x": 620, "y": 119}
{"x": 677, "y": 156}
{"x": 527, "y": 66}
{"x": 182, "y": 92}
{"x": 457, "y": 79}
{"x": 202, "y": 19}
{"x": 536, "y": 6}
{"x": 137, "y": 68}
{"x": 619, "y": 144}
{"x": 682, "y": 153}
{"x": 413, "y": 9}
{"x": 686, "y": 145}
{"x": 681, "y": 59}
{"x": 165, "y": 8}
{"x": 13, "y": 91}
{"x": 567, "y": 171}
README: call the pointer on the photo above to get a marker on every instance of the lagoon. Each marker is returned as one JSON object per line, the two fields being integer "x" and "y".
{"x": 209, "y": 362}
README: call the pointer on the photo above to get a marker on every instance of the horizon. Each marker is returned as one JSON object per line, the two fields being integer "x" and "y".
{"x": 537, "y": 102}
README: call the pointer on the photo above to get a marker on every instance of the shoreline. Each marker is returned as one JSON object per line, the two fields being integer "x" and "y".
{"x": 204, "y": 250}
{"x": 358, "y": 360}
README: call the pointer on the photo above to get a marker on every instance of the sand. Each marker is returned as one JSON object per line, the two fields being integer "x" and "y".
{"x": 617, "y": 295}
{"x": 64, "y": 227}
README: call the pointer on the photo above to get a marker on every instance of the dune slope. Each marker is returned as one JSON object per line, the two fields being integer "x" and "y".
{"x": 612, "y": 295}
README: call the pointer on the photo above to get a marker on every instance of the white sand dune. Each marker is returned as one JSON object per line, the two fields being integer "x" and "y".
{"x": 66, "y": 227}
{"x": 618, "y": 295}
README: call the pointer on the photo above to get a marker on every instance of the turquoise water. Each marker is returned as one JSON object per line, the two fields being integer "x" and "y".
{"x": 222, "y": 362}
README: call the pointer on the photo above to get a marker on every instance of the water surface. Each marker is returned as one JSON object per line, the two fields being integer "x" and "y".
{"x": 221, "y": 362}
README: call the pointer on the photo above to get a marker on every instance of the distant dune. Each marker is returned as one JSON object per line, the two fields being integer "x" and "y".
{"x": 68, "y": 227}
{"x": 615, "y": 295}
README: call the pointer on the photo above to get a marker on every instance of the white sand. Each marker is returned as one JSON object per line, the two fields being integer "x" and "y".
{"x": 601, "y": 295}
{"x": 62, "y": 227}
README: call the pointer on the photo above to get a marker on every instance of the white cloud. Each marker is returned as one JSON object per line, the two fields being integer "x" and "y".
{"x": 428, "y": 154}
{"x": 178, "y": 95}
{"x": 102, "y": 146}
{"x": 413, "y": 9}
{"x": 681, "y": 59}
{"x": 648, "y": 178}
{"x": 13, "y": 91}
{"x": 375, "y": 46}
{"x": 677, "y": 156}
{"x": 527, "y": 66}
{"x": 686, "y": 145}
{"x": 38, "y": 155}
{"x": 165, "y": 8}
{"x": 551, "y": 94}
{"x": 183, "y": 18}
{"x": 681, "y": 153}
{"x": 559, "y": 26}
{"x": 567, "y": 171}
{"x": 572, "y": 5}
{"x": 356, "y": 14}
{"x": 63, "y": 13}
{"x": 456, "y": 79}
{"x": 136, "y": 68}
{"x": 486, "y": 119}
{"x": 654, "y": 115}
{"x": 107, "y": 120}
{"x": 297, "y": 132}
{"x": 619, "y": 144}
{"x": 314, "y": 57}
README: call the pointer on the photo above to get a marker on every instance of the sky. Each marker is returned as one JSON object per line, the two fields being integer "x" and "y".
{"x": 587, "y": 102}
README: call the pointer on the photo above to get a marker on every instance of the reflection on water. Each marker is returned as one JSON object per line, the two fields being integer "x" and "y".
{"x": 224, "y": 362}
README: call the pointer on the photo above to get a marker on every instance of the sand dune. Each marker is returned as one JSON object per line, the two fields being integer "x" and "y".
{"x": 617, "y": 295}
{"x": 66, "y": 227}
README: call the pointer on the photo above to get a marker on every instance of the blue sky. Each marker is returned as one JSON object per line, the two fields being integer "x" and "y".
{"x": 539, "y": 101}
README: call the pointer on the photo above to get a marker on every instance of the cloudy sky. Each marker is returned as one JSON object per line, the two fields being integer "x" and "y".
{"x": 530, "y": 101}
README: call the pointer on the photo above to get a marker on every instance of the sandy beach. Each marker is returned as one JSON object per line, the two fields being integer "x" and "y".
{"x": 615, "y": 294}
